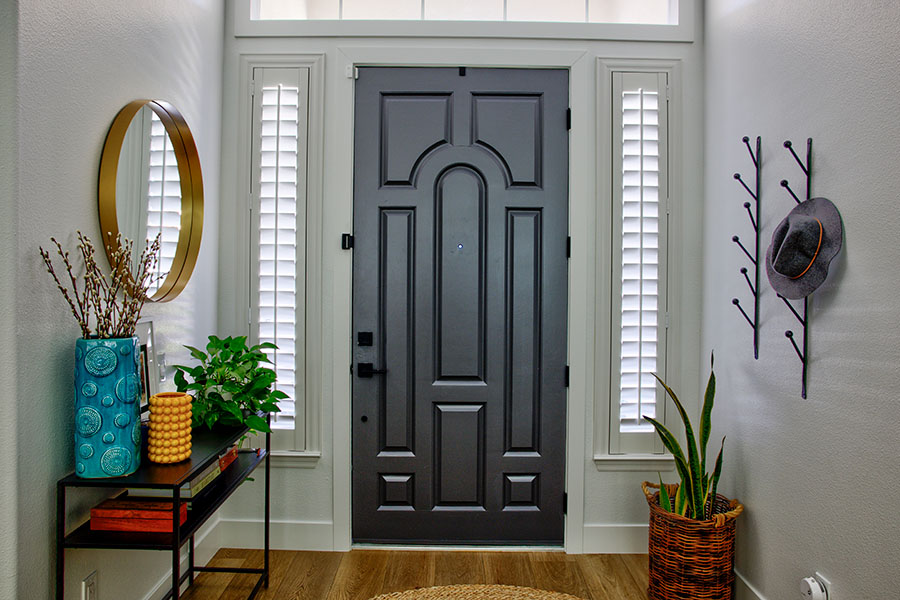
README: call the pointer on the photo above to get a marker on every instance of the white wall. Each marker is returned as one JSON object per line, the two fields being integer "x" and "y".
{"x": 607, "y": 508}
{"x": 9, "y": 20}
{"x": 79, "y": 62}
{"x": 820, "y": 477}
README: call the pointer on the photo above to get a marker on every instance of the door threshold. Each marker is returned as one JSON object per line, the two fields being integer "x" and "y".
{"x": 456, "y": 548}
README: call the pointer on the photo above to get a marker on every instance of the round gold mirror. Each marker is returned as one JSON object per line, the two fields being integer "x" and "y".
{"x": 150, "y": 185}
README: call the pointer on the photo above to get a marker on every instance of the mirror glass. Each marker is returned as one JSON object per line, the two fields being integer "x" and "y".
{"x": 150, "y": 185}
{"x": 148, "y": 191}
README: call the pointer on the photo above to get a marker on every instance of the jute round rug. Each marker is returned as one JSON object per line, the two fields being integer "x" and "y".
{"x": 476, "y": 592}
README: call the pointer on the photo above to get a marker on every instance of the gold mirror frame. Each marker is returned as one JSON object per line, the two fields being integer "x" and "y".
{"x": 191, "y": 191}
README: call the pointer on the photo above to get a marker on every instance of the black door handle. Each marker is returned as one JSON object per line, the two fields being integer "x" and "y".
{"x": 367, "y": 370}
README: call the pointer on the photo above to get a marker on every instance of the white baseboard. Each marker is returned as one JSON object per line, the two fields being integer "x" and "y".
{"x": 744, "y": 590}
{"x": 615, "y": 538}
{"x": 205, "y": 546}
{"x": 283, "y": 535}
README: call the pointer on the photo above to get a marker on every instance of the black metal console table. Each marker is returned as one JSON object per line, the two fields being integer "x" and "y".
{"x": 206, "y": 447}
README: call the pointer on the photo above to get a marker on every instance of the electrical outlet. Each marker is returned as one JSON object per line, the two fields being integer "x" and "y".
{"x": 89, "y": 589}
{"x": 829, "y": 593}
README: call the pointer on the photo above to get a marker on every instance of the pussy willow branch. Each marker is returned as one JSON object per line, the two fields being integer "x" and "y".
{"x": 111, "y": 304}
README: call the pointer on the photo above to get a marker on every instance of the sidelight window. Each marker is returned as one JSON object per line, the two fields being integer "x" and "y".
{"x": 278, "y": 224}
{"x": 640, "y": 207}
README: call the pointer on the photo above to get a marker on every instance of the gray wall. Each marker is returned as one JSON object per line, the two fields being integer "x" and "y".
{"x": 79, "y": 62}
{"x": 9, "y": 12}
{"x": 819, "y": 477}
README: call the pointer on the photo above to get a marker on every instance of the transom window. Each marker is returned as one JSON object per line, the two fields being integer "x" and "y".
{"x": 645, "y": 12}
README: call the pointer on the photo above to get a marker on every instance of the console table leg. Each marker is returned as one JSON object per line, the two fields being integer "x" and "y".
{"x": 60, "y": 536}
{"x": 191, "y": 562}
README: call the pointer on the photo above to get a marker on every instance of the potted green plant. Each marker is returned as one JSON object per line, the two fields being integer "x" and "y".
{"x": 692, "y": 527}
{"x": 232, "y": 385}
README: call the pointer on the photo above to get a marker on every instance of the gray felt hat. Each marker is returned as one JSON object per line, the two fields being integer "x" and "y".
{"x": 802, "y": 247}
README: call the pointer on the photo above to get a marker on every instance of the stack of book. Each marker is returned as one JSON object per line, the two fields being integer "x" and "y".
{"x": 192, "y": 488}
{"x": 135, "y": 514}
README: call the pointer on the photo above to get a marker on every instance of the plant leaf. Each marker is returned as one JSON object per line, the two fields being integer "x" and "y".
{"x": 198, "y": 354}
{"x": 714, "y": 484}
{"x": 664, "y": 501}
{"x": 693, "y": 458}
{"x": 256, "y": 422}
{"x": 681, "y": 501}
{"x": 681, "y": 465}
{"x": 706, "y": 413}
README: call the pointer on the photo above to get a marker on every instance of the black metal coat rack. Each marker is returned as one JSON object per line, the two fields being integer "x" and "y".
{"x": 804, "y": 320}
{"x": 753, "y": 213}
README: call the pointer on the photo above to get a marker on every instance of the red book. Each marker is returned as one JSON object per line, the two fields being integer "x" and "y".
{"x": 129, "y": 514}
{"x": 228, "y": 458}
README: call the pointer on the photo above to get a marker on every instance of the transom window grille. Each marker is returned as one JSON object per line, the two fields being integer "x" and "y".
{"x": 654, "y": 12}
{"x": 163, "y": 200}
{"x": 639, "y": 196}
{"x": 278, "y": 306}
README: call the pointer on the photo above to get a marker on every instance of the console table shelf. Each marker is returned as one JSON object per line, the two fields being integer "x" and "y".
{"x": 206, "y": 448}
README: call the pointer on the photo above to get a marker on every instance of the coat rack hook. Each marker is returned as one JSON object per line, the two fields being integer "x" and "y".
{"x": 749, "y": 283}
{"x": 787, "y": 186}
{"x": 790, "y": 335}
{"x": 737, "y": 303}
{"x": 737, "y": 241}
{"x": 793, "y": 310}
{"x": 790, "y": 146}
{"x": 741, "y": 181}
{"x": 746, "y": 141}
{"x": 752, "y": 219}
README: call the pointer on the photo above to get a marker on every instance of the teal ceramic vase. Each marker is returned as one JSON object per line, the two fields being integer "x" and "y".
{"x": 107, "y": 407}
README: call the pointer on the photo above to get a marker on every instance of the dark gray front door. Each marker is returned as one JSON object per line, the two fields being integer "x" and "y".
{"x": 459, "y": 296}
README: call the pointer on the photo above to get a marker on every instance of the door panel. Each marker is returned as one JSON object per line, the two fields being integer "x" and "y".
{"x": 460, "y": 274}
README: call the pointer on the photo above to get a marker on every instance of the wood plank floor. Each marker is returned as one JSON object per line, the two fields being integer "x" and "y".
{"x": 362, "y": 574}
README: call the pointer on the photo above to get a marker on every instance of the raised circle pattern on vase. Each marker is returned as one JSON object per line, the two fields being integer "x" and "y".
{"x": 100, "y": 361}
{"x": 128, "y": 388}
{"x": 109, "y": 438}
{"x": 107, "y": 401}
{"x": 136, "y": 434}
{"x": 122, "y": 420}
{"x": 88, "y": 421}
{"x": 86, "y": 451}
{"x": 89, "y": 389}
{"x": 115, "y": 461}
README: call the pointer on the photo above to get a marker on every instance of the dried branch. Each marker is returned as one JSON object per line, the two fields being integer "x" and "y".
{"x": 107, "y": 306}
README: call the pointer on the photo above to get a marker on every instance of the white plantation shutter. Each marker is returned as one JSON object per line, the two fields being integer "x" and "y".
{"x": 279, "y": 236}
{"x": 163, "y": 199}
{"x": 639, "y": 197}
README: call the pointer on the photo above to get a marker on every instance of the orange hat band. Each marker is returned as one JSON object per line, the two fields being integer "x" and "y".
{"x": 813, "y": 259}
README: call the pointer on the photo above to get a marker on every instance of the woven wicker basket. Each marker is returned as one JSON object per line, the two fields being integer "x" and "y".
{"x": 689, "y": 559}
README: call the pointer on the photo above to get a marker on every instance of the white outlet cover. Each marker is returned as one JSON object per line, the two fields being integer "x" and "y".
{"x": 824, "y": 581}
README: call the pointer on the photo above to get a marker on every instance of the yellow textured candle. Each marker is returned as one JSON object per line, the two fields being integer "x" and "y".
{"x": 169, "y": 437}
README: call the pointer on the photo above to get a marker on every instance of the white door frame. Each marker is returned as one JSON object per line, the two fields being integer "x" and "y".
{"x": 582, "y": 150}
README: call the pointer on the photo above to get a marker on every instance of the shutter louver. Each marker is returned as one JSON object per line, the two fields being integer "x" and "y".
{"x": 640, "y": 196}
{"x": 163, "y": 200}
{"x": 278, "y": 238}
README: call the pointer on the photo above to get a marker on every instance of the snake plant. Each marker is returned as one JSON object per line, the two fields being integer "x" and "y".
{"x": 696, "y": 493}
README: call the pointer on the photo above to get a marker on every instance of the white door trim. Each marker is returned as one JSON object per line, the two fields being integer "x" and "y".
{"x": 581, "y": 276}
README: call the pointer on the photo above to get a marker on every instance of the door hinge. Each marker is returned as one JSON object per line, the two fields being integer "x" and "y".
{"x": 566, "y": 376}
{"x": 346, "y": 241}
{"x": 667, "y": 320}
{"x": 568, "y": 118}
{"x": 252, "y": 88}
{"x": 668, "y": 93}
{"x": 569, "y": 247}
{"x": 565, "y": 503}
{"x": 352, "y": 72}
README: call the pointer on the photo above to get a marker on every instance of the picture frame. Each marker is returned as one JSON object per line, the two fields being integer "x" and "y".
{"x": 148, "y": 366}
